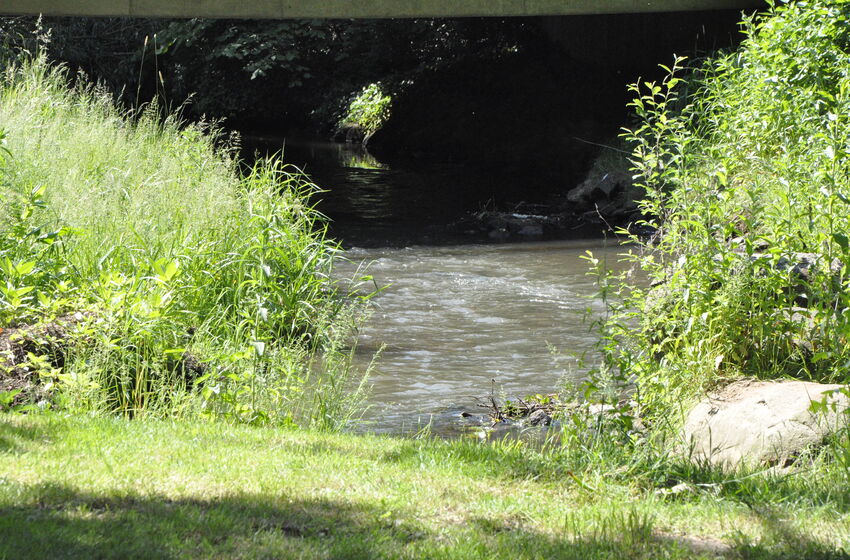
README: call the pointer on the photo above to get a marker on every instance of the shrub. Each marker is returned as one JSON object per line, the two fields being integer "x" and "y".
{"x": 746, "y": 169}
{"x": 369, "y": 110}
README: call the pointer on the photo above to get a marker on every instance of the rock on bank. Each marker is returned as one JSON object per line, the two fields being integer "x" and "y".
{"x": 757, "y": 423}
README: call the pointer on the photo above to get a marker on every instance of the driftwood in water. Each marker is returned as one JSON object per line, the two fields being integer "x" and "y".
{"x": 537, "y": 410}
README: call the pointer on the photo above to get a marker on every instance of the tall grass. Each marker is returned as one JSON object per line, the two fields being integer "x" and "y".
{"x": 198, "y": 283}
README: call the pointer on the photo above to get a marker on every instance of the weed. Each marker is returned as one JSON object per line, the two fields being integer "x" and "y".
{"x": 745, "y": 163}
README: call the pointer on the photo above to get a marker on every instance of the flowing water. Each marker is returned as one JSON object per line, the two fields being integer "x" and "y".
{"x": 458, "y": 320}
{"x": 461, "y": 323}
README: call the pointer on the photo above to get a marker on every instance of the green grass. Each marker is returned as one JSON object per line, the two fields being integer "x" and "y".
{"x": 109, "y": 488}
{"x": 148, "y": 227}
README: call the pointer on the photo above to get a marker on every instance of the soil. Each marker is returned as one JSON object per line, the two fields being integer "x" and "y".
{"x": 44, "y": 340}
{"x": 51, "y": 341}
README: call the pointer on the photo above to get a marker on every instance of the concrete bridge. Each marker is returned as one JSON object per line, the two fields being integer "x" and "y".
{"x": 321, "y": 9}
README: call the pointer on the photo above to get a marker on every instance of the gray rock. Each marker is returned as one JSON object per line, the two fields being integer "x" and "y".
{"x": 600, "y": 409}
{"x": 350, "y": 133}
{"x": 538, "y": 418}
{"x": 602, "y": 187}
{"x": 757, "y": 423}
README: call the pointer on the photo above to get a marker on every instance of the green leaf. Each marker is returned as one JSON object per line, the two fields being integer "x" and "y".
{"x": 842, "y": 240}
{"x": 24, "y": 268}
{"x": 165, "y": 269}
{"x": 24, "y": 290}
{"x": 6, "y": 397}
{"x": 171, "y": 270}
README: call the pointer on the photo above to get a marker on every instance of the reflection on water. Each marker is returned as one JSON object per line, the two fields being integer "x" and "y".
{"x": 372, "y": 204}
{"x": 360, "y": 159}
{"x": 325, "y": 154}
{"x": 315, "y": 153}
{"x": 462, "y": 322}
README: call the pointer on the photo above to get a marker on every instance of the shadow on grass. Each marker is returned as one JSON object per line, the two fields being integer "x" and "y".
{"x": 57, "y": 520}
{"x": 49, "y": 521}
{"x": 789, "y": 542}
{"x": 761, "y": 489}
{"x": 749, "y": 487}
{"x": 15, "y": 438}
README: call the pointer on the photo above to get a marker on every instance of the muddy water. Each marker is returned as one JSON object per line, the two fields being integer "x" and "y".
{"x": 464, "y": 322}
{"x": 458, "y": 320}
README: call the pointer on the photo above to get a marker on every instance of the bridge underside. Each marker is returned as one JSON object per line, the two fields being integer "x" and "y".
{"x": 321, "y": 9}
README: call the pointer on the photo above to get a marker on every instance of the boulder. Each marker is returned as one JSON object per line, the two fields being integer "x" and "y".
{"x": 350, "y": 133}
{"x": 539, "y": 418}
{"x": 608, "y": 185}
{"x": 756, "y": 423}
{"x": 602, "y": 187}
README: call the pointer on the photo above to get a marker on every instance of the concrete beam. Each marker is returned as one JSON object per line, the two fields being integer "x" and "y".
{"x": 337, "y": 9}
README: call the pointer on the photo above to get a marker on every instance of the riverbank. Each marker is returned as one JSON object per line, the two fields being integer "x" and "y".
{"x": 747, "y": 275}
{"x": 161, "y": 489}
{"x": 188, "y": 348}
{"x": 145, "y": 273}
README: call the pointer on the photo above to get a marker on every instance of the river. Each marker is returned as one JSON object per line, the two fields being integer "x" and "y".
{"x": 459, "y": 318}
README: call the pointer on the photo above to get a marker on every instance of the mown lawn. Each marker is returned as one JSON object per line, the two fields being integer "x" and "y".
{"x": 73, "y": 487}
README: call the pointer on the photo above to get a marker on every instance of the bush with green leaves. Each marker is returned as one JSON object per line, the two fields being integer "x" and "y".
{"x": 369, "y": 110}
{"x": 745, "y": 161}
{"x": 198, "y": 286}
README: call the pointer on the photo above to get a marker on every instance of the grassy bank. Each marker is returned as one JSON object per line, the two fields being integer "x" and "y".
{"x": 143, "y": 273}
{"x": 110, "y": 488}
